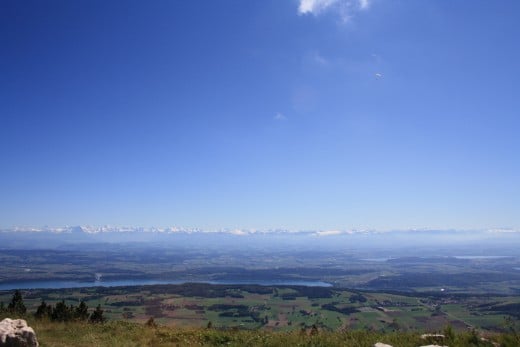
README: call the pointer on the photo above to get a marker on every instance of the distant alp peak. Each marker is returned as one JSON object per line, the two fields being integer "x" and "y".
{"x": 76, "y": 229}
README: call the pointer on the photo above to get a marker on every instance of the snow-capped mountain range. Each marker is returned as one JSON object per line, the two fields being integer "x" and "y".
{"x": 87, "y": 229}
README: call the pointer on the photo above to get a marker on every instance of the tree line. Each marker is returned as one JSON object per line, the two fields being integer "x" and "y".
{"x": 60, "y": 312}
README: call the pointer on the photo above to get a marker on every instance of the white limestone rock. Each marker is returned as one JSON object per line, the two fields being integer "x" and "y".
{"x": 16, "y": 333}
{"x": 432, "y": 336}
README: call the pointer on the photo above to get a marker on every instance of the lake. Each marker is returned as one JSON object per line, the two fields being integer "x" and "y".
{"x": 483, "y": 256}
{"x": 59, "y": 284}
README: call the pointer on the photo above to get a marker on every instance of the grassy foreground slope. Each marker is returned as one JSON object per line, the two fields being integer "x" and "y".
{"x": 119, "y": 333}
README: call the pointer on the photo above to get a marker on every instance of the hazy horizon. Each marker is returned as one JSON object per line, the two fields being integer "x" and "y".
{"x": 89, "y": 228}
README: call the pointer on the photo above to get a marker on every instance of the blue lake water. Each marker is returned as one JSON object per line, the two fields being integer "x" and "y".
{"x": 377, "y": 259}
{"x": 58, "y": 284}
{"x": 469, "y": 257}
{"x": 482, "y": 256}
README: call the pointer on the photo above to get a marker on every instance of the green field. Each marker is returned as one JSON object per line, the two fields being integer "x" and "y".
{"x": 287, "y": 308}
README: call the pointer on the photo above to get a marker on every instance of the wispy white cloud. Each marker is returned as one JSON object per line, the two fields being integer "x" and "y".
{"x": 279, "y": 116}
{"x": 319, "y": 59}
{"x": 345, "y": 8}
{"x": 314, "y": 6}
{"x": 364, "y": 4}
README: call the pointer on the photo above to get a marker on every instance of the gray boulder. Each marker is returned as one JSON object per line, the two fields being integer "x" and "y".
{"x": 16, "y": 333}
{"x": 380, "y": 344}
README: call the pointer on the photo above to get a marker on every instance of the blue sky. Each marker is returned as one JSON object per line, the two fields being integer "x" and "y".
{"x": 298, "y": 114}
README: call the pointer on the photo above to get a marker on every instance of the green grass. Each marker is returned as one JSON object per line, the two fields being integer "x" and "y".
{"x": 119, "y": 333}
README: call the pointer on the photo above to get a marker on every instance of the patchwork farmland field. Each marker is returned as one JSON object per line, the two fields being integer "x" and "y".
{"x": 287, "y": 308}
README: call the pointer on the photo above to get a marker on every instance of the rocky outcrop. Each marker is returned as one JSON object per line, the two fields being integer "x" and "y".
{"x": 380, "y": 344}
{"x": 433, "y": 339}
{"x": 433, "y": 336}
{"x": 16, "y": 333}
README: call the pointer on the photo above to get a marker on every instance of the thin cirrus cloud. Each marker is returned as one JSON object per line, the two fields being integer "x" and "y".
{"x": 279, "y": 117}
{"x": 344, "y": 7}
